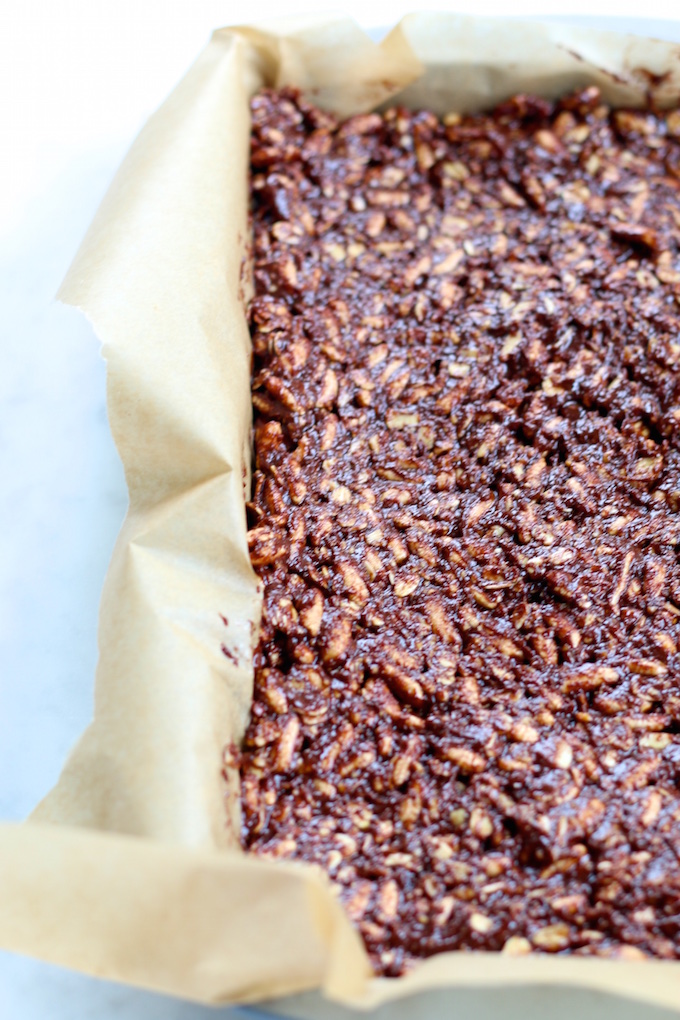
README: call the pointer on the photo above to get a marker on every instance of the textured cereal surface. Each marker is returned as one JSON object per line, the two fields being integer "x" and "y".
{"x": 465, "y": 519}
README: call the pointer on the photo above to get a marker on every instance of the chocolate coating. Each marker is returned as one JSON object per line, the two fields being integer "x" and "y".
{"x": 465, "y": 519}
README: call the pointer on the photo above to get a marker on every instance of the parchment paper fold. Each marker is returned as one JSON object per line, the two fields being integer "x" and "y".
{"x": 130, "y": 868}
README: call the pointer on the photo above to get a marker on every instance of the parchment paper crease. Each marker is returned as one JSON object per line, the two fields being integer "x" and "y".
{"x": 129, "y": 869}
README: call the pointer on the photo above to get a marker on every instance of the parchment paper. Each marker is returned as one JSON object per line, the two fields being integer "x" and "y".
{"x": 130, "y": 869}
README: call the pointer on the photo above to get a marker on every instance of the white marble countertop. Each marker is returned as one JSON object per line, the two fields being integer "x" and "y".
{"x": 78, "y": 79}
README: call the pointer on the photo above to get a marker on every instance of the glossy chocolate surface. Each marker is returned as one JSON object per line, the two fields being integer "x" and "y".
{"x": 465, "y": 519}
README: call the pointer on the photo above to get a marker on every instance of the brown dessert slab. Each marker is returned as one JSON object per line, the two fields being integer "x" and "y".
{"x": 465, "y": 519}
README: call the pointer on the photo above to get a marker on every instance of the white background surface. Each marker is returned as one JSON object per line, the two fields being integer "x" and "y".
{"x": 77, "y": 81}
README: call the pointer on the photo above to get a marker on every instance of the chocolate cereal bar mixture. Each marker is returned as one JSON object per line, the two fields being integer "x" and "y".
{"x": 465, "y": 518}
